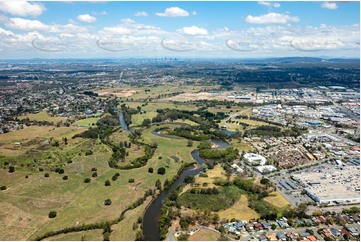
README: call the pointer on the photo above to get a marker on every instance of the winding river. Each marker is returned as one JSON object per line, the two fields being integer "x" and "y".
{"x": 122, "y": 122}
{"x": 152, "y": 214}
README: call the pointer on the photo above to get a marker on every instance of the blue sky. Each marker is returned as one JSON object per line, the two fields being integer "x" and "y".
{"x": 189, "y": 29}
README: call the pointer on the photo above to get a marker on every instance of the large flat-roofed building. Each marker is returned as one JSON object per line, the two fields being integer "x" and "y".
{"x": 338, "y": 185}
{"x": 254, "y": 159}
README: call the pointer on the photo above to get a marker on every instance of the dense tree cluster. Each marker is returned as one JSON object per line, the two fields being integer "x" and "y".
{"x": 206, "y": 191}
{"x": 274, "y": 131}
{"x": 229, "y": 154}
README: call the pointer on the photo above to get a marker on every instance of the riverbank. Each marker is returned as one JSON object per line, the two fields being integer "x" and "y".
{"x": 153, "y": 212}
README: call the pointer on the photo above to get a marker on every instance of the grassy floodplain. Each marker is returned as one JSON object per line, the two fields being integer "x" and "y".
{"x": 77, "y": 202}
{"x": 30, "y": 196}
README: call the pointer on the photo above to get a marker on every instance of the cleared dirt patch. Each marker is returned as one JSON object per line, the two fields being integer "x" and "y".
{"x": 197, "y": 96}
{"x": 116, "y": 92}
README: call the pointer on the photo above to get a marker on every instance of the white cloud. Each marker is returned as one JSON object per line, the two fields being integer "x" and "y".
{"x": 26, "y": 24}
{"x": 119, "y": 30}
{"x": 194, "y": 13}
{"x": 193, "y": 30}
{"x": 173, "y": 12}
{"x": 141, "y": 14}
{"x": 103, "y": 13}
{"x": 329, "y": 5}
{"x": 271, "y": 18}
{"x": 270, "y": 4}
{"x": 22, "y": 8}
{"x": 129, "y": 26}
{"x": 86, "y": 18}
{"x": 36, "y": 25}
{"x": 5, "y": 32}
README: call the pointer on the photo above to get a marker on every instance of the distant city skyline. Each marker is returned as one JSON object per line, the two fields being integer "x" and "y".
{"x": 256, "y": 29}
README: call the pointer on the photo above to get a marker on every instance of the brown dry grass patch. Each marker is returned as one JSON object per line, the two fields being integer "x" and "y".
{"x": 277, "y": 200}
{"x": 204, "y": 235}
{"x": 239, "y": 210}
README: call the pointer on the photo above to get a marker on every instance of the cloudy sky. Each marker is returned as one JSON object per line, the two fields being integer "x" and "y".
{"x": 30, "y": 29}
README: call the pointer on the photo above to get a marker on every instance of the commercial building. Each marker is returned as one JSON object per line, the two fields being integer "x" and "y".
{"x": 254, "y": 159}
{"x": 336, "y": 185}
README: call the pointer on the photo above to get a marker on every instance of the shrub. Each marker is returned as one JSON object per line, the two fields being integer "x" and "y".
{"x": 11, "y": 169}
{"x": 150, "y": 170}
{"x": 26, "y": 176}
{"x": 59, "y": 170}
{"x": 107, "y": 183}
{"x": 65, "y": 177}
{"x": 94, "y": 169}
{"x": 131, "y": 180}
{"x": 52, "y": 214}
{"x": 94, "y": 174}
{"x": 3, "y": 188}
{"x": 183, "y": 237}
{"x": 265, "y": 181}
{"x": 114, "y": 178}
{"x": 88, "y": 152}
{"x": 107, "y": 202}
{"x": 161, "y": 171}
{"x": 46, "y": 175}
{"x": 86, "y": 180}
{"x": 189, "y": 179}
{"x": 41, "y": 169}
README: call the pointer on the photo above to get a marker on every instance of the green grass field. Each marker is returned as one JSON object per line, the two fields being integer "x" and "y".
{"x": 119, "y": 231}
{"x": 137, "y": 119}
{"x": 87, "y": 122}
{"x": 91, "y": 235}
{"x": 155, "y": 91}
{"x": 43, "y": 116}
{"x": 134, "y": 152}
{"x": 241, "y": 145}
{"x": 35, "y": 143}
{"x": 77, "y": 202}
{"x": 153, "y": 106}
